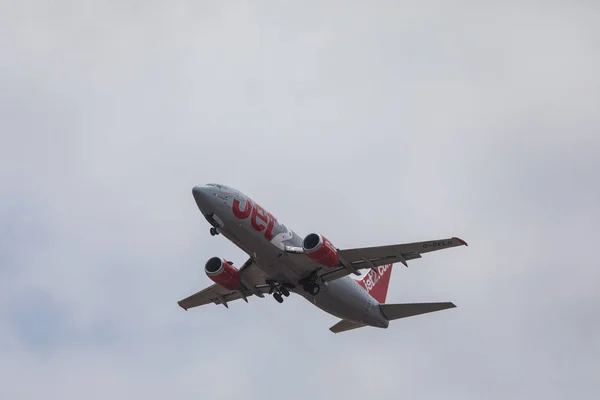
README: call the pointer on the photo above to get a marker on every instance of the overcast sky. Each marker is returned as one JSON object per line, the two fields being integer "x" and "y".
{"x": 370, "y": 122}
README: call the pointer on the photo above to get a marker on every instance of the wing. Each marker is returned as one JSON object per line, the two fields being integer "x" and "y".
{"x": 253, "y": 283}
{"x": 353, "y": 260}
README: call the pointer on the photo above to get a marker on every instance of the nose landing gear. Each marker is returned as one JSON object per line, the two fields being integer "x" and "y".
{"x": 214, "y": 231}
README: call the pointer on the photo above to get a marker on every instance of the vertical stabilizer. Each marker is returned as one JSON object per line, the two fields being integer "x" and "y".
{"x": 377, "y": 283}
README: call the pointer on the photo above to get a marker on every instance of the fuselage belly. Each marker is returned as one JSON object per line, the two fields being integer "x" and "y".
{"x": 263, "y": 238}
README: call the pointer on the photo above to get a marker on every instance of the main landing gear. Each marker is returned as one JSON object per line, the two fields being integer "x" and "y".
{"x": 278, "y": 290}
{"x": 214, "y": 231}
{"x": 311, "y": 288}
{"x": 310, "y": 285}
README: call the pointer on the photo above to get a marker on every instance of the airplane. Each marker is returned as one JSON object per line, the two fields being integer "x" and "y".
{"x": 281, "y": 262}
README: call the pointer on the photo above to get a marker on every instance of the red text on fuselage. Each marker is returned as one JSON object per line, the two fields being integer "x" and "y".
{"x": 260, "y": 219}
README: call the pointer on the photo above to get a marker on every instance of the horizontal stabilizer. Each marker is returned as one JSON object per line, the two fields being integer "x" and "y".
{"x": 345, "y": 325}
{"x": 397, "y": 311}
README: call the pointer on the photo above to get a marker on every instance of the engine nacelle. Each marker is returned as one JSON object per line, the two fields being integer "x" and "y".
{"x": 318, "y": 248}
{"x": 221, "y": 272}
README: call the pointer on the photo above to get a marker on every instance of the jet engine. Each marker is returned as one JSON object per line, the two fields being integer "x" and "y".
{"x": 223, "y": 273}
{"x": 318, "y": 248}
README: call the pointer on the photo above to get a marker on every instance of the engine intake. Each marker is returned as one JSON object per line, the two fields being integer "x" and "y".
{"x": 221, "y": 272}
{"x": 318, "y": 248}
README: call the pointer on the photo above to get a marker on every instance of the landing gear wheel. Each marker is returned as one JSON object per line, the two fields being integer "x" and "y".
{"x": 214, "y": 231}
{"x": 284, "y": 291}
{"x": 314, "y": 289}
{"x": 278, "y": 297}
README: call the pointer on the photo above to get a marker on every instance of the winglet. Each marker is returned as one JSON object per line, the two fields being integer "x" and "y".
{"x": 462, "y": 241}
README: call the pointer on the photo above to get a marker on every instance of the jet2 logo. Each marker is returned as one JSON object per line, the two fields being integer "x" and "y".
{"x": 260, "y": 219}
{"x": 372, "y": 279}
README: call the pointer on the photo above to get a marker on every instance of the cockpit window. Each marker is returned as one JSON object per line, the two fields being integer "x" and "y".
{"x": 222, "y": 187}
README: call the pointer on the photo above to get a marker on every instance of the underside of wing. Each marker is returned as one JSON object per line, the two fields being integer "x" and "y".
{"x": 213, "y": 294}
{"x": 252, "y": 279}
{"x": 367, "y": 257}
{"x": 371, "y": 257}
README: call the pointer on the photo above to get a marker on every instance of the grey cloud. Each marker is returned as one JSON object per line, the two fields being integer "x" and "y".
{"x": 371, "y": 124}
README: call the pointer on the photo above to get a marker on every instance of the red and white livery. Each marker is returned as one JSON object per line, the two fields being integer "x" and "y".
{"x": 281, "y": 262}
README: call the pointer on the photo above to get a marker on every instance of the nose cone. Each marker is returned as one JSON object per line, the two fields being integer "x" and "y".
{"x": 202, "y": 195}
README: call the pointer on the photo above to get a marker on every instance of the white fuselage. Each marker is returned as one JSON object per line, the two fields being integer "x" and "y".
{"x": 263, "y": 238}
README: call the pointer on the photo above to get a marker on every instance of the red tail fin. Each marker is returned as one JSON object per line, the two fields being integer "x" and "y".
{"x": 377, "y": 283}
